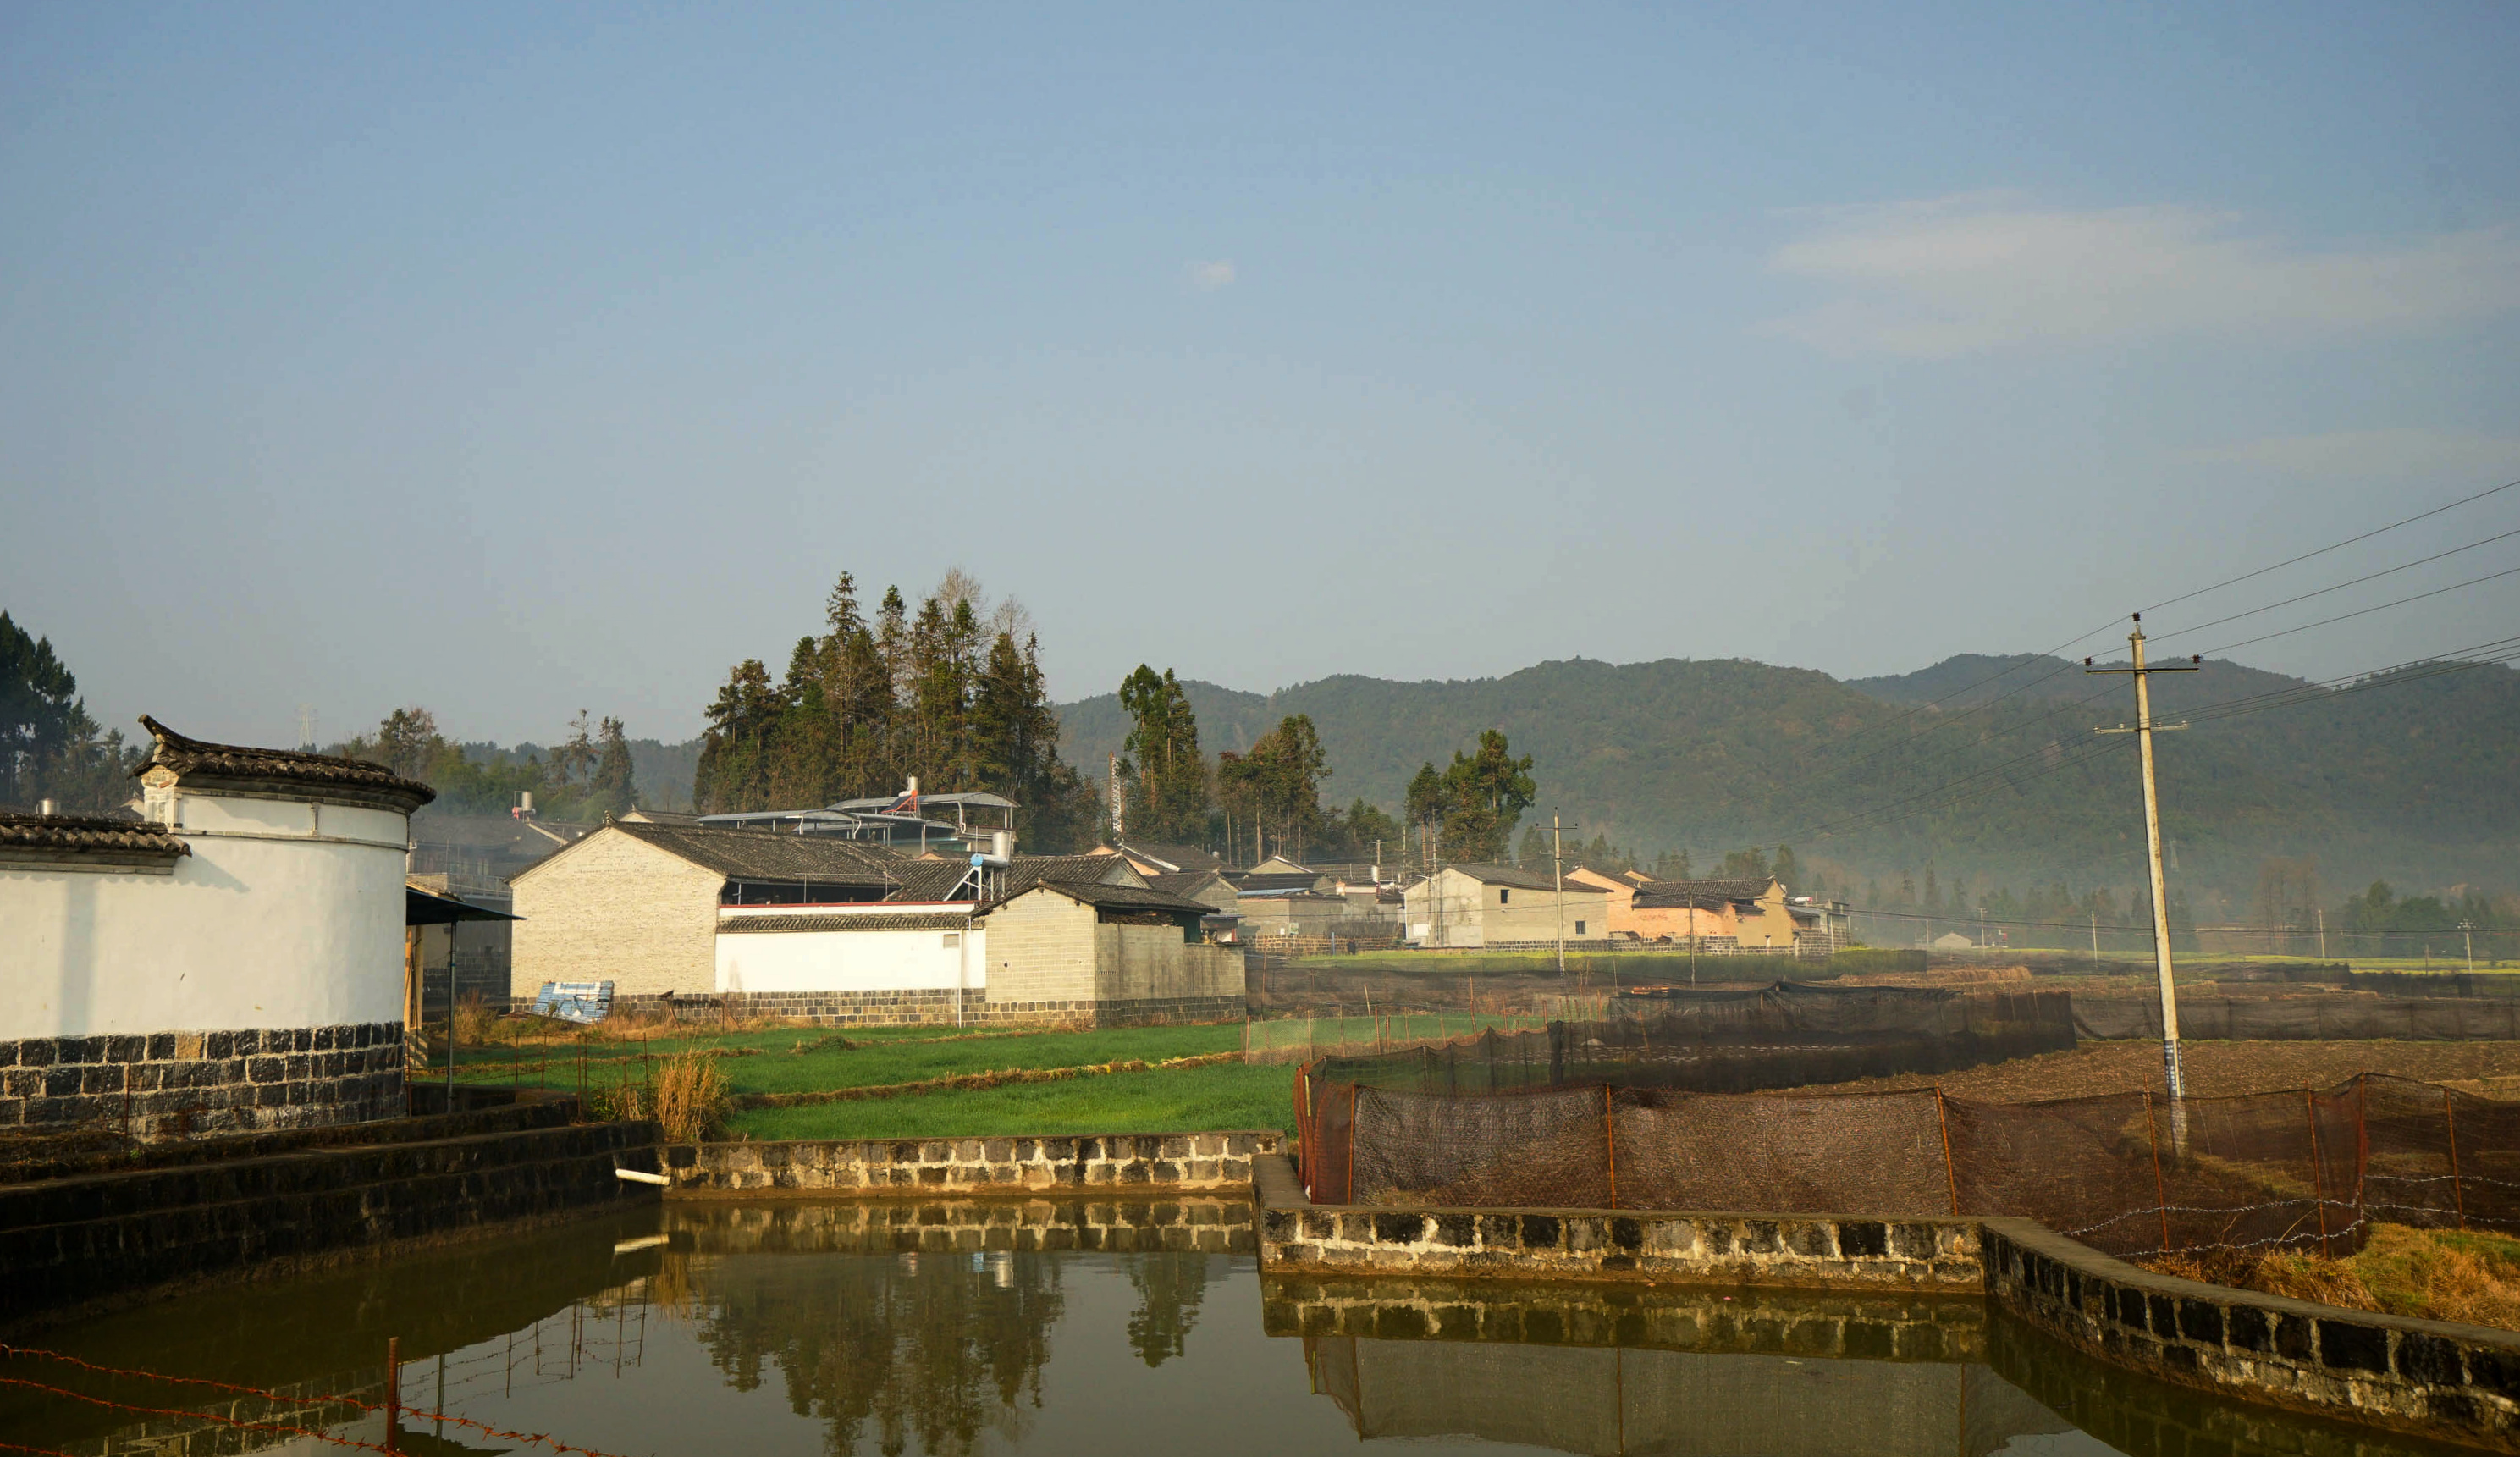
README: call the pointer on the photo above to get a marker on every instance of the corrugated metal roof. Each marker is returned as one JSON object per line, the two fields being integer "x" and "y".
{"x": 751, "y": 854}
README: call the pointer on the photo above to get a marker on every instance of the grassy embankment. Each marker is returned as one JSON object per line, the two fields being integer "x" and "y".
{"x": 2432, "y": 1274}
{"x": 793, "y": 1060}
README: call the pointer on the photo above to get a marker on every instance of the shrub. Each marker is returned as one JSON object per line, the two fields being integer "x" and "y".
{"x": 687, "y": 1099}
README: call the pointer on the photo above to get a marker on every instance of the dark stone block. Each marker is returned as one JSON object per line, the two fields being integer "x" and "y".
{"x": 2252, "y": 1329}
{"x": 1399, "y": 1229}
{"x": 1759, "y": 1237}
{"x": 8, "y": 1054}
{"x": 2201, "y": 1320}
{"x": 1540, "y": 1231}
{"x": 63, "y": 1082}
{"x": 2292, "y": 1338}
{"x": 681, "y": 1156}
{"x": 1460, "y": 1231}
{"x": 1499, "y": 1231}
{"x": 38, "y": 1052}
{"x": 1135, "y": 1172}
{"x": 2163, "y": 1313}
{"x": 1628, "y": 1235}
{"x": 232, "y": 1044}
{"x": 2428, "y": 1359}
{"x": 1870, "y": 1339}
{"x": 2350, "y": 1346}
{"x": 162, "y": 1046}
{"x": 2181, "y": 1357}
{"x": 324, "y": 1039}
{"x": 1912, "y": 1240}
{"x": 2487, "y": 1369}
{"x": 1862, "y": 1237}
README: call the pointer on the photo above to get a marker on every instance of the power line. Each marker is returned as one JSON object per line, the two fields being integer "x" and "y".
{"x": 2341, "y": 586}
{"x": 2364, "y": 612}
{"x": 2324, "y": 550}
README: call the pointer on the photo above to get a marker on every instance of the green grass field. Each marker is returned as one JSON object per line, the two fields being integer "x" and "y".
{"x": 889, "y": 1055}
{"x": 1195, "y": 1099}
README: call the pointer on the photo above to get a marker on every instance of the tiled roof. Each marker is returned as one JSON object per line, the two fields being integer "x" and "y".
{"x": 70, "y": 834}
{"x": 1520, "y": 879}
{"x": 937, "y": 879}
{"x": 1705, "y": 895}
{"x": 1114, "y": 897}
{"x": 899, "y": 920}
{"x": 1178, "y": 857}
{"x": 1288, "y": 880}
{"x": 1745, "y": 887}
{"x": 1185, "y": 882}
{"x": 762, "y": 855}
{"x": 204, "y": 764}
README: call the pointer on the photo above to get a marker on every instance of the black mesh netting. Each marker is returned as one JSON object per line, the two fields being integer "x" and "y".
{"x": 2128, "y": 1173}
{"x": 2304, "y": 1019}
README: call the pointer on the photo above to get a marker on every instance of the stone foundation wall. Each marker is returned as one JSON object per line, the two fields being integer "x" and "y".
{"x": 2431, "y": 1377}
{"x": 1129, "y": 1163}
{"x": 176, "y": 1083}
{"x": 77, "y": 1237}
{"x": 1213, "y": 1226}
{"x": 895, "y": 1009}
{"x": 1794, "y": 1323}
{"x": 1610, "y": 1244}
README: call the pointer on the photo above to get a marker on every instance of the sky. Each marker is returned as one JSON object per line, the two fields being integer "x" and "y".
{"x": 517, "y": 360}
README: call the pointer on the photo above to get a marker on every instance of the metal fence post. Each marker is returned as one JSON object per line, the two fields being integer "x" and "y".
{"x": 2160, "y": 1189}
{"x": 2457, "y": 1199}
{"x": 2317, "y": 1189}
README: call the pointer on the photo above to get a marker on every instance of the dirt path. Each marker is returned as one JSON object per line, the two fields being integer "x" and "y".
{"x": 2213, "y": 1069}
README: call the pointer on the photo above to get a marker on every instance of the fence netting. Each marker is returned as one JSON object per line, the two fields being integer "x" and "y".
{"x": 2128, "y": 1173}
{"x": 1736, "y": 1040}
{"x": 2323, "y": 1018}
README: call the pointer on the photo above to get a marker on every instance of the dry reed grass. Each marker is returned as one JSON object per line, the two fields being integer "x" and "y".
{"x": 2431, "y": 1274}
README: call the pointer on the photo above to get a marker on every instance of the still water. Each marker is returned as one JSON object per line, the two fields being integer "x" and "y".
{"x": 829, "y": 1329}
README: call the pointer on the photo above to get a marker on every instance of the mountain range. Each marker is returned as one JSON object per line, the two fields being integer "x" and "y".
{"x": 2415, "y": 780}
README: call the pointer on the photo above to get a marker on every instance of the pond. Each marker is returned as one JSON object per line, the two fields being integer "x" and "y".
{"x": 1051, "y": 1328}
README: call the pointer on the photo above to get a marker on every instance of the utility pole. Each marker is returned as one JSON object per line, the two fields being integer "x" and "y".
{"x": 2468, "y": 929}
{"x": 2143, "y": 729}
{"x": 2096, "y": 940}
{"x": 1558, "y": 868}
{"x": 2321, "y": 914}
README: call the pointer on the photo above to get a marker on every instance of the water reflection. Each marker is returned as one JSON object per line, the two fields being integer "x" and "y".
{"x": 1058, "y": 1328}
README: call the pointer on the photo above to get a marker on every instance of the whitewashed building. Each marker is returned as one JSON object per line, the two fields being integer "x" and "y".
{"x": 233, "y": 962}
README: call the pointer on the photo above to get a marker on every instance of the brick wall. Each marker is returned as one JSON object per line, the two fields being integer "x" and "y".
{"x": 1041, "y": 949}
{"x": 614, "y": 908}
{"x": 1154, "y": 962}
{"x": 176, "y": 1083}
{"x": 1132, "y": 1163}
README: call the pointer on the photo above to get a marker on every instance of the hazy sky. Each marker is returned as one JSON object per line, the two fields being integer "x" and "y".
{"x": 516, "y": 359}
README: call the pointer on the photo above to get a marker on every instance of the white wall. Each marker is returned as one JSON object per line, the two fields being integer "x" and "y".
{"x": 843, "y": 960}
{"x": 286, "y": 915}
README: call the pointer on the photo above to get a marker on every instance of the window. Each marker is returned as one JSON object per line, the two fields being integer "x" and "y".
{"x": 1502, "y": 896}
{"x": 1579, "y": 927}
{"x": 952, "y": 940}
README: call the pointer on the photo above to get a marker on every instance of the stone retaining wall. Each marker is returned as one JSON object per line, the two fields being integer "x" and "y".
{"x": 73, "y": 1239}
{"x": 1794, "y": 1323}
{"x": 2442, "y": 1380}
{"x": 179, "y": 1083}
{"x": 1214, "y": 1226}
{"x": 1134, "y": 1163}
{"x": 895, "y": 1009}
{"x": 1595, "y": 1244}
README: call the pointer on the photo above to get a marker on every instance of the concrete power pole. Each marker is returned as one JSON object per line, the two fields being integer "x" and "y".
{"x": 1558, "y": 868}
{"x": 2144, "y": 728}
{"x": 2468, "y": 929}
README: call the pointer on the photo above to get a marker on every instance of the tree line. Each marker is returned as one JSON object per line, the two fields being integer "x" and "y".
{"x": 951, "y": 694}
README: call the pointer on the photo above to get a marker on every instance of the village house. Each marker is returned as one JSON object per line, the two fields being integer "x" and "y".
{"x": 1153, "y": 859}
{"x": 232, "y": 961}
{"x": 839, "y": 931}
{"x": 1500, "y": 905}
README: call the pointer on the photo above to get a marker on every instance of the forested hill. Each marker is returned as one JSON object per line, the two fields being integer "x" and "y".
{"x": 2418, "y": 782}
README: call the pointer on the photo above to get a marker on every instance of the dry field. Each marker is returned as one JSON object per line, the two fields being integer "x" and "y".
{"x": 2214, "y": 1069}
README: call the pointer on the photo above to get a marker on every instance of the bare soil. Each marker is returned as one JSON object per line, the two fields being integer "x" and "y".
{"x": 2212, "y": 1070}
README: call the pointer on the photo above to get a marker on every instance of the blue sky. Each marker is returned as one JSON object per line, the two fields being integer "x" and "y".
{"x": 512, "y": 361}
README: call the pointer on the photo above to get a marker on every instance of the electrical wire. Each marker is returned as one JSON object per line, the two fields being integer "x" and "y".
{"x": 2324, "y": 550}
{"x": 2364, "y": 612}
{"x": 2341, "y": 586}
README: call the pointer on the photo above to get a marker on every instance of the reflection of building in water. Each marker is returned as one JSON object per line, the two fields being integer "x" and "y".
{"x": 1592, "y": 1399}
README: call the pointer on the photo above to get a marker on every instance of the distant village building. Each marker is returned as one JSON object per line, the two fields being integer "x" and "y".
{"x": 233, "y": 961}
{"x": 1152, "y": 858}
{"x": 844, "y": 931}
{"x": 952, "y": 823}
{"x": 1752, "y": 914}
{"x": 1472, "y": 906}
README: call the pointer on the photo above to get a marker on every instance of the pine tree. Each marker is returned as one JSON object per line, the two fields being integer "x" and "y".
{"x": 1486, "y": 794}
{"x": 1167, "y": 777}
{"x": 609, "y": 790}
